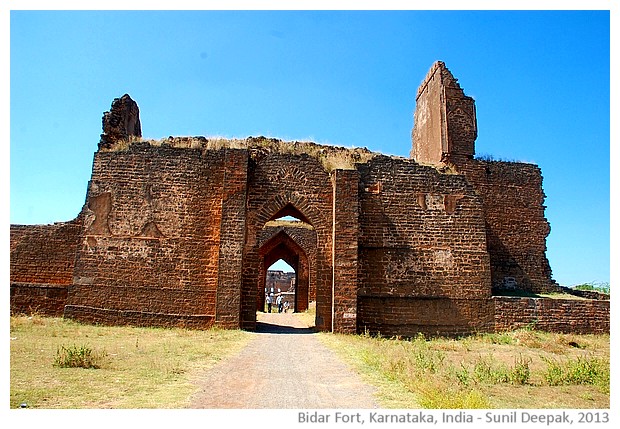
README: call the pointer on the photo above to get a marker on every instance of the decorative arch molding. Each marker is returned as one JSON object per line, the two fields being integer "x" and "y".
{"x": 293, "y": 204}
{"x": 309, "y": 200}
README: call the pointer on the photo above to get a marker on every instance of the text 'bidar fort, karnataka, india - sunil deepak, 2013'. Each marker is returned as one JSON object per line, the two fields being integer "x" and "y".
{"x": 181, "y": 232}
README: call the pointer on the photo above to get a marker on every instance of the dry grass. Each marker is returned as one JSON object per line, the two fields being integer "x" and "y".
{"x": 331, "y": 157}
{"x": 288, "y": 223}
{"x": 506, "y": 370}
{"x": 139, "y": 367}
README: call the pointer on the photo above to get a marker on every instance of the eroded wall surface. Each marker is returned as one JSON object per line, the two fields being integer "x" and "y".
{"x": 152, "y": 239}
{"x": 423, "y": 260}
{"x": 42, "y": 263}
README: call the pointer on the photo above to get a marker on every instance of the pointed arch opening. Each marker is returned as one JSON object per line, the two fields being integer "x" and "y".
{"x": 290, "y": 212}
{"x": 281, "y": 247}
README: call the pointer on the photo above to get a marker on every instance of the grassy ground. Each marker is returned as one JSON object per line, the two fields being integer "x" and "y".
{"x": 154, "y": 367}
{"x": 520, "y": 369}
{"x": 139, "y": 367}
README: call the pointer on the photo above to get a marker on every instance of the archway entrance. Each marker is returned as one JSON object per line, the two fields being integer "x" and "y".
{"x": 282, "y": 247}
{"x": 303, "y": 242}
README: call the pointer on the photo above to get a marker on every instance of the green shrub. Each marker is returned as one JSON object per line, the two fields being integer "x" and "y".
{"x": 79, "y": 357}
{"x": 487, "y": 371}
{"x": 520, "y": 373}
{"x": 594, "y": 286}
{"x": 583, "y": 370}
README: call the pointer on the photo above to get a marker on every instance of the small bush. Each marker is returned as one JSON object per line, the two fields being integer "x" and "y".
{"x": 79, "y": 357}
{"x": 486, "y": 372}
{"x": 461, "y": 374}
{"x": 583, "y": 370}
{"x": 594, "y": 286}
{"x": 520, "y": 373}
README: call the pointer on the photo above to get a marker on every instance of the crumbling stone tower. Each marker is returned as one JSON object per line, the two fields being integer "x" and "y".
{"x": 444, "y": 121}
{"x": 121, "y": 122}
{"x": 444, "y": 133}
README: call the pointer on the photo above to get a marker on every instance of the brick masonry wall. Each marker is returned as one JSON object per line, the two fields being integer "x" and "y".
{"x": 422, "y": 236}
{"x": 409, "y": 316}
{"x": 422, "y": 232}
{"x": 174, "y": 232}
{"x": 151, "y": 244}
{"x": 556, "y": 315}
{"x": 429, "y": 134}
{"x": 514, "y": 210}
{"x": 444, "y": 133}
{"x": 38, "y": 298}
{"x": 444, "y": 120}
{"x": 44, "y": 253}
{"x": 42, "y": 262}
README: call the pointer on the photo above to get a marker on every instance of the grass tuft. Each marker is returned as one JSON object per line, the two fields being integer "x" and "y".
{"x": 79, "y": 357}
{"x": 588, "y": 370}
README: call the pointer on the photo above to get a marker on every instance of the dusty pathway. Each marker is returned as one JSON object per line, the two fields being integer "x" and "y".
{"x": 284, "y": 366}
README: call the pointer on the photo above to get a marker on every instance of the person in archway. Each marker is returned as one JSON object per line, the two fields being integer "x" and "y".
{"x": 269, "y": 302}
{"x": 279, "y": 303}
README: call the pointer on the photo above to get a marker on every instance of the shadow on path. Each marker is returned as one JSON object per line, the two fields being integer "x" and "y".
{"x": 270, "y": 328}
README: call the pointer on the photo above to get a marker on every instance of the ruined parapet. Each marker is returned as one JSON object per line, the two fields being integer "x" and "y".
{"x": 444, "y": 120}
{"x": 121, "y": 123}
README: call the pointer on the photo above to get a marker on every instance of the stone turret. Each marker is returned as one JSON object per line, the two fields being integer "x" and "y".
{"x": 121, "y": 123}
{"x": 444, "y": 128}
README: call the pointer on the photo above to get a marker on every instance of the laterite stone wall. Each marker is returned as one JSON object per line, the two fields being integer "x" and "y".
{"x": 422, "y": 236}
{"x": 578, "y": 316}
{"x": 42, "y": 263}
{"x": 517, "y": 229}
{"x": 180, "y": 232}
{"x": 151, "y": 245}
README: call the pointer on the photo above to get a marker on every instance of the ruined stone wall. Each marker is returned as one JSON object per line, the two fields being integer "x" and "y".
{"x": 402, "y": 316}
{"x": 517, "y": 229}
{"x": 151, "y": 245}
{"x": 422, "y": 235}
{"x": 38, "y": 298}
{"x": 42, "y": 262}
{"x": 44, "y": 253}
{"x": 429, "y": 132}
{"x": 175, "y": 232}
{"x": 578, "y": 316}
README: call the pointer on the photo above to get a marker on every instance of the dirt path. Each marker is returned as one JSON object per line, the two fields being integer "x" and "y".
{"x": 284, "y": 366}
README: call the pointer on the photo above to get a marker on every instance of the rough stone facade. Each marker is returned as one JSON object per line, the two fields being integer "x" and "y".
{"x": 181, "y": 232}
{"x": 42, "y": 264}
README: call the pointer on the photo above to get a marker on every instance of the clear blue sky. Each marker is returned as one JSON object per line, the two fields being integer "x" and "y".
{"x": 541, "y": 81}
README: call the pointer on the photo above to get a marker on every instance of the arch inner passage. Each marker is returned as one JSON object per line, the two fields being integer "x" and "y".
{"x": 283, "y": 247}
